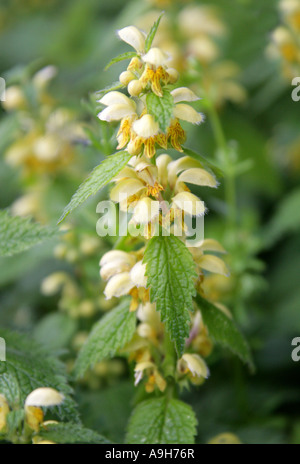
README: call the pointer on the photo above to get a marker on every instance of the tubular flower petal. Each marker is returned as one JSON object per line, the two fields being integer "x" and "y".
{"x": 189, "y": 203}
{"x": 116, "y": 112}
{"x": 145, "y": 211}
{"x": 119, "y": 106}
{"x": 44, "y": 397}
{"x": 162, "y": 163}
{"x": 4, "y": 410}
{"x": 117, "y": 98}
{"x": 116, "y": 255}
{"x": 210, "y": 244}
{"x": 155, "y": 57}
{"x": 146, "y": 127}
{"x": 137, "y": 274}
{"x": 187, "y": 113}
{"x": 118, "y": 285}
{"x": 45, "y": 442}
{"x": 184, "y": 94}
{"x": 213, "y": 264}
{"x": 125, "y": 189}
{"x": 225, "y": 439}
{"x": 134, "y": 37}
{"x": 198, "y": 176}
{"x": 34, "y": 417}
{"x": 116, "y": 266}
{"x": 196, "y": 365}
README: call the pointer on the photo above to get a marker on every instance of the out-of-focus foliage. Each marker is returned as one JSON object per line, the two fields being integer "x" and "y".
{"x": 240, "y": 60}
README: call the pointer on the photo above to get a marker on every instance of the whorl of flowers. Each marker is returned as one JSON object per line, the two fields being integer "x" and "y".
{"x": 148, "y": 73}
{"x": 142, "y": 187}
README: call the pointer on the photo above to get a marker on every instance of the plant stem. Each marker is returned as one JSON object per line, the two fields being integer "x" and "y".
{"x": 227, "y": 165}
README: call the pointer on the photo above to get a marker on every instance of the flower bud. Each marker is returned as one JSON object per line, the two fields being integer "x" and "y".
{"x": 135, "y": 88}
{"x": 126, "y": 77}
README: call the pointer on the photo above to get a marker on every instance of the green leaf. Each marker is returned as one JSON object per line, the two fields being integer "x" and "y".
{"x": 162, "y": 421}
{"x": 161, "y": 108}
{"x": 205, "y": 162}
{"x": 224, "y": 331}
{"x": 286, "y": 219}
{"x": 18, "y": 234}
{"x": 110, "y": 334}
{"x": 99, "y": 177}
{"x": 152, "y": 34}
{"x": 122, "y": 57}
{"x": 29, "y": 366}
{"x": 70, "y": 433}
{"x": 171, "y": 272}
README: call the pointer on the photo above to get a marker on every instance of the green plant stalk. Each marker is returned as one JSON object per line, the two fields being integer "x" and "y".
{"x": 227, "y": 166}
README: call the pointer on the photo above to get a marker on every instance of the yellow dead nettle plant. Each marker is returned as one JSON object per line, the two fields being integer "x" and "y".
{"x": 156, "y": 188}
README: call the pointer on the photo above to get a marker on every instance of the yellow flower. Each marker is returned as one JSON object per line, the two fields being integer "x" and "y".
{"x": 154, "y": 377}
{"x": 118, "y": 105}
{"x": 225, "y": 439}
{"x": 44, "y": 397}
{"x": 4, "y": 410}
{"x": 134, "y": 37}
{"x": 194, "y": 366}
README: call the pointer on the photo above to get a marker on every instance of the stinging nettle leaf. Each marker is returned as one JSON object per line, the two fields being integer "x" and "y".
{"x": 224, "y": 330}
{"x": 98, "y": 178}
{"x": 110, "y": 334}
{"x": 171, "y": 274}
{"x": 122, "y": 57}
{"x": 161, "y": 108}
{"x": 152, "y": 33}
{"x": 18, "y": 234}
{"x": 162, "y": 421}
{"x": 70, "y": 433}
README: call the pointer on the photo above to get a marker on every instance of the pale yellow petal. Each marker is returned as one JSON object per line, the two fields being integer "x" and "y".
{"x": 189, "y": 203}
{"x": 118, "y": 285}
{"x": 198, "y": 176}
{"x": 213, "y": 264}
{"x": 125, "y": 188}
{"x": 188, "y": 113}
